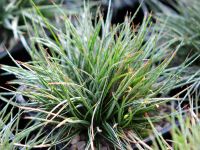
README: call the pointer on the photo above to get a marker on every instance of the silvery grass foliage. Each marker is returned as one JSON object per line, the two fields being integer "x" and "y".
{"x": 166, "y": 6}
{"x": 13, "y": 135}
{"x": 11, "y": 9}
{"x": 180, "y": 26}
{"x": 90, "y": 78}
{"x": 9, "y": 134}
{"x": 186, "y": 135}
{"x": 120, "y": 3}
{"x": 8, "y": 124}
{"x": 11, "y": 18}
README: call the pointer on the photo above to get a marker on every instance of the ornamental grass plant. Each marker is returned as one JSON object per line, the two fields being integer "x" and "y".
{"x": 180, "y": 26}
{"x": 89, "y": 78}
{"x": 11, "y": 135}
{"x": 185, "y": 128}
{"x": 16, "y": 132}
{"x": 11, "y": 18}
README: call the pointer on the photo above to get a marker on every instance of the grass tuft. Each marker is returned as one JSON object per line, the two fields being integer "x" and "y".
{"x": 91, "y": 78}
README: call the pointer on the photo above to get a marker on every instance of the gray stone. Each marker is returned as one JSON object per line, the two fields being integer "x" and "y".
{"x": 78, "y": 146}
{"x": 81, "y": 145}
{"x": 75, "y": 139}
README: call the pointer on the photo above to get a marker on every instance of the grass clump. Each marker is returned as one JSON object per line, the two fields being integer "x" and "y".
{"x": 182, "y": 26}
{"x": 185, "y": 128}
{"x": 10, "y": 133}
{"x": 16, "y": 132}
{"x": 91, "y": 78}
{"x": 11, "y": 18}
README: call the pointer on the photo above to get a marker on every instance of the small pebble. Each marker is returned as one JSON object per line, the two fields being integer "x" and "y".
{"x": 78, "y": 146}
{"x": 81, "y": 145}
{"x": 75, "y": 139}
